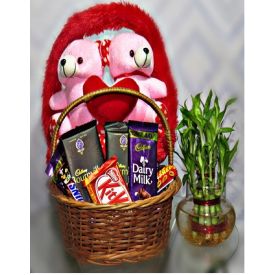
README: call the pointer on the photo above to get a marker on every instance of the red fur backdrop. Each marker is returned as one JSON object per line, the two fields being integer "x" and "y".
{"x": 95, "y": 20}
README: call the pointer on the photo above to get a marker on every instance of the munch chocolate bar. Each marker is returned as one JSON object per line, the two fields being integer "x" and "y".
{"x": 165, "y": 176}
{"x": 143, "y": 138}
{"x": 83, "y": 153}
{"x": 116, "y": 135}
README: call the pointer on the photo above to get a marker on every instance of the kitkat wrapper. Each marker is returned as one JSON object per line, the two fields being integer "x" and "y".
{"x": 106, "y": 185}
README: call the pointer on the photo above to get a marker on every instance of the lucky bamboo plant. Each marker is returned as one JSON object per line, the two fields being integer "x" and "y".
{"x": 204, "y": 145}
{"x": 206, "y": 153}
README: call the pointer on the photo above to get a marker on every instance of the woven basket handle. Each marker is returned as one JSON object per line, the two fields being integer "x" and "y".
{"x": 115, "y": 90}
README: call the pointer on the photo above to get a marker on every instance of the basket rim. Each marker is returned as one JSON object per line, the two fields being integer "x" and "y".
{"x": 173, "y": 188}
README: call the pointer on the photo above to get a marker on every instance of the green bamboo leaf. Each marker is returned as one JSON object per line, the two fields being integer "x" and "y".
{"x": 185, "y": 105}
{"x": 183, "y": 146}
{"x": 214, "y": 122}
{"x": 184, "y": 179}
{"x": 217, "y": 106}
{"x": 229, "y": 102}
{"x": 210, "y": 136}
{"x": 226, "y": 130}
{"x": 208, "y": 114}
{"x": 222, "y": 149}
{"x": 224, "y": 141}
{"x": 185, "y": 122}
{"x": 208, "y": 101}
{"x": 220, "y": 117}
{"x": 224, "y": 154}
{"x": 186, "y": 132}
{"x": 191, "y": 117}
{"x": 226, "y": 160}
{"x": 233, "y": 151}
{"x": 196, "y": 109}
{"x": 181, "y": 125}
{"x": 231, "y": 132}
{"x": 200, "y": 160}
{"x": 188, "y": 162}
{"x": 181, "y": 158}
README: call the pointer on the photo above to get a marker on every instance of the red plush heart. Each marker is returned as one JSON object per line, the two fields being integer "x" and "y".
{"x": 114, "y": 107}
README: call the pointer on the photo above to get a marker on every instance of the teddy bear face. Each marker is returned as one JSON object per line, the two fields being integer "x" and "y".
{"x": 130, "y": 52}
{"x": 80, "y": 59}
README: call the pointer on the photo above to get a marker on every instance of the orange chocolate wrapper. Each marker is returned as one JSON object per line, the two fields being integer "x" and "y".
{"x": 106, "y": 185}
{"x": 165, "y": 176}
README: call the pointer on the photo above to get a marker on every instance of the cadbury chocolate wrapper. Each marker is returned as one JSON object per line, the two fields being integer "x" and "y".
{"x": 143, "y": 138}
{"x": 117, "y": 144}
{"x": 83, "y": 153}
{"x": 58, "y": 170}
{"x": 56, "y": 159}
{"x": 106, "y": 185}
{"x": 55, "y": 167}
{"x": 165, "y": 176}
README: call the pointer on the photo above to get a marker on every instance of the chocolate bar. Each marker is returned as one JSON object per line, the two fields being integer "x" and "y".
{"x": 143, "y": 138}
{"x": 56, "y": 159}
{"x": 74, "y": 191}
{"x": 65, "y": 180}
{"x": 116, "y": 134}
{"x": 83, "y": 153}
{"x": 106, "y": 185}
{"x": 58, "y": 170}
{"x": 165, "y": 176}
{"x": 55, "y": 166}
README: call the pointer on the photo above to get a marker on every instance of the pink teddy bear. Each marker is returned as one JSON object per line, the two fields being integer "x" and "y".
{"x": 79, "y": 60}
{"x": 131, "y": 56}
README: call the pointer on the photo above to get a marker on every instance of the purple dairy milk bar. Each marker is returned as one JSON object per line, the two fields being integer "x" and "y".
{"x": 143, "y": 137}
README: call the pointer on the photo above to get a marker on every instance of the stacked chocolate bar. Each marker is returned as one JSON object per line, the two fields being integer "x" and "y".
{"x": 129, "y": 173}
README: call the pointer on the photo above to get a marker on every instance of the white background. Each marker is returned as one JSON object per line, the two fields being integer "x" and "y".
{"x": 259, "y": 135}
{"x": 205, "y": 45}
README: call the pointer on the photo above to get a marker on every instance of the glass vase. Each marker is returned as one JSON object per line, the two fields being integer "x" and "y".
{"x": 205, "y": 217}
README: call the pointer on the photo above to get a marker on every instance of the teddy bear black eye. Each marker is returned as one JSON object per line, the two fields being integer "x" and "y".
{"x": 79, "y": 60}
{"x": 132, "y": 53}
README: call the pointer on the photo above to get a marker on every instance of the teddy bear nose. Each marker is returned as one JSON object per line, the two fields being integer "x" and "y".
{"x": 146, "y": 50}
{"x": 63, "y": 62}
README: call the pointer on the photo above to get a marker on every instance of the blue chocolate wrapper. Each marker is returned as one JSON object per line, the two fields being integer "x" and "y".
{"x": 143, "y": 138}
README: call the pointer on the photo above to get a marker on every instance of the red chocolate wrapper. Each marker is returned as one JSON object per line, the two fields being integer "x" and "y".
{"x": 165, "y": 176}
{"x": 106, "y": 185}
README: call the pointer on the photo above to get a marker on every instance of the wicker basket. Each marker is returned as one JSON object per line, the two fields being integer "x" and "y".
{"x": 113, "y": 234}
